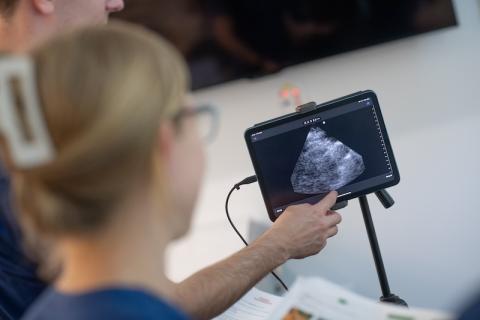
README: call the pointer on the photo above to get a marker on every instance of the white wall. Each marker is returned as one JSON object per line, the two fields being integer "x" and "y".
{"x": 428, "y": 87}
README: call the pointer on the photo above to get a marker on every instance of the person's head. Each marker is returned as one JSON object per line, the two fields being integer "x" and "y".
{"x": 43, "y": 18}
{"x": 111, "y": 98}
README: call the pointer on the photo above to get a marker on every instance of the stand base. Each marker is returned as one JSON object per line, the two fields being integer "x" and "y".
{"x": 394, "y": 299}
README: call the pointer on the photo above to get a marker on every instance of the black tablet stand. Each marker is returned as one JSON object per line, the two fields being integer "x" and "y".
{"x": 387, "y": 201}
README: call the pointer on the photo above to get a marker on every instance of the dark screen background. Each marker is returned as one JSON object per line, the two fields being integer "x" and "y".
{"x": 278, "y": 33}
{"x": 276, "y": 156}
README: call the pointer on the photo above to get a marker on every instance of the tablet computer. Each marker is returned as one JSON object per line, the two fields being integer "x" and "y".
{"x": 340, "y": 145}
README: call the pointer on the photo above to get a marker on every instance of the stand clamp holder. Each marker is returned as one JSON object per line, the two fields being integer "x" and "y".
{"x": 387, "y": 201}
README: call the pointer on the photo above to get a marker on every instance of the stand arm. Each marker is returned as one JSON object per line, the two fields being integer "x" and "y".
{"x": 372, "y": 238}
{"x": 387, "y": 296}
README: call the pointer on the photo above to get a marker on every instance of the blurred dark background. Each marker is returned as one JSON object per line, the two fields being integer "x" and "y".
{"x": 223, "y": 40}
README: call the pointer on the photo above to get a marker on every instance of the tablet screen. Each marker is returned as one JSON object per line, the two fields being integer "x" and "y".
{"x": 342, "y": 147}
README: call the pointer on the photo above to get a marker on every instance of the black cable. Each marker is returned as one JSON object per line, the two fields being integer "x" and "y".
{"x": 245, "y": 181}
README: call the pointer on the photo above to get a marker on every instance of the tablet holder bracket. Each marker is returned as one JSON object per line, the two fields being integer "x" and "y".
{"x": 387, "y": 201}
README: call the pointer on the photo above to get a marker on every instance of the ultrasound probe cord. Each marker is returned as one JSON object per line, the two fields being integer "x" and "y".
{"x": 245, "y": 181}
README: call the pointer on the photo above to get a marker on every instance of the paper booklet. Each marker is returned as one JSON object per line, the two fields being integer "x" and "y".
{"x": 318, "y": 299}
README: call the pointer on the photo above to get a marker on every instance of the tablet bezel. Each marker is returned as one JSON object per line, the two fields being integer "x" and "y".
{"x": 318, "y": 109}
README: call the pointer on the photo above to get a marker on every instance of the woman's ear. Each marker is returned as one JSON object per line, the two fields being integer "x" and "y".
{"x": 44, "y": 7}
{"x": 165, "y": 141}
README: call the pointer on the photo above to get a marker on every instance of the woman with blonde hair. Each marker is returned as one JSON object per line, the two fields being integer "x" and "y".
{"x": 106, "y": 162}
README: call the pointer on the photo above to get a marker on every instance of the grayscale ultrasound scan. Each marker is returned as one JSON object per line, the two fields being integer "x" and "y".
{"x": 325, "y": 164}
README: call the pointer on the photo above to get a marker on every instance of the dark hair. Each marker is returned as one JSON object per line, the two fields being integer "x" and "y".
{"x": 8, "y": 6}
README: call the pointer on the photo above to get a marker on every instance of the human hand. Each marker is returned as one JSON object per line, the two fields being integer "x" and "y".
{"x": 302, "y": 230}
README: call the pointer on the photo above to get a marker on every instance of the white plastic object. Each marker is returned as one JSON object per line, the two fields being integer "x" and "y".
{"x": 26, "y": 152}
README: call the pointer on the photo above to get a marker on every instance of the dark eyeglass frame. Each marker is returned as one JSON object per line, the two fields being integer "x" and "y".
{"x": 209, "y": 110}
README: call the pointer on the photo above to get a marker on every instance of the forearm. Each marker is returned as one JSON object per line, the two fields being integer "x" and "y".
{"x": 212, "y": 290}
{"x": 301, "y": 231}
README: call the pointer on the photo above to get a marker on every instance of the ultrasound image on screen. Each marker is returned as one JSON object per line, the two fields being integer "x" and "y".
{"x": 305, "y": 163}
{"x": 325, "y": 164}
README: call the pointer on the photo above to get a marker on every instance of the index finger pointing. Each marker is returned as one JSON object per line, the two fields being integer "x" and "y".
{"x": 328, "y": 202}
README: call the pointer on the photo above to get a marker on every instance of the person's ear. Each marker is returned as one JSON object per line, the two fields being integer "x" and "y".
{"x": 165, "y": 141}
{"x": 44, "y": 7}
{"x": 115, "y": 5}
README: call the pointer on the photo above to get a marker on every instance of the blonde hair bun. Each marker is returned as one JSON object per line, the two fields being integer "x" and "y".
{"x": 103, "y": 91}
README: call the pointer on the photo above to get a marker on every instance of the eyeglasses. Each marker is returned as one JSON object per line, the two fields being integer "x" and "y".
{"x": 206, "y": 117}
